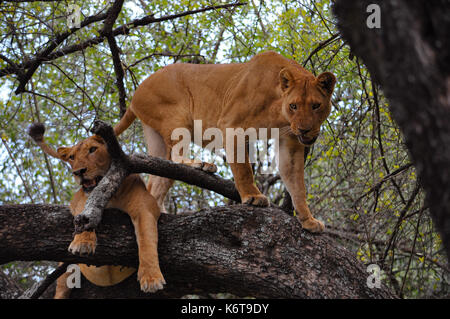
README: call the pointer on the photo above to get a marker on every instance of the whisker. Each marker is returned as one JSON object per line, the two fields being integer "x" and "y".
{"x": 285, "y": 130}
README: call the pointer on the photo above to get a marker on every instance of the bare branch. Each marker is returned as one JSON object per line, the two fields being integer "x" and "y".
{"x": 39, "y": 288}
{"x": 320, "y": 46}
{"x": 26, "y": 70}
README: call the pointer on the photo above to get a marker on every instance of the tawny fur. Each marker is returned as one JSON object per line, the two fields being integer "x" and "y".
{"x": 89, "y": 159}
{"x": 255, "y": 94}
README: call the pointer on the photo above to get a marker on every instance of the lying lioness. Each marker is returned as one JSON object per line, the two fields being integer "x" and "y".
{"x": 90, "y": 161}
{"x": 269, "y": 91}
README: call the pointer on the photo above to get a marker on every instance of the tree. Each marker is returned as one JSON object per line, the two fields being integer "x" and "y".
{"x": 407, "y": 55}
{"x": 241, "y": 249}
{"x": 361, "y": 180}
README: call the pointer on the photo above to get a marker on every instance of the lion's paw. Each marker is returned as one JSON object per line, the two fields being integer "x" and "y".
{"x": 313, "y": 225}
{"x": 209, "y": 167}
{"x": 151, "y": 281}
{"x": 204, "y": 166}
{"x": 256, "y": 200}
{"x": 83, "y": 244}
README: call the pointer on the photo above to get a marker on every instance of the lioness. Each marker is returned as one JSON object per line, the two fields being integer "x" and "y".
{"x": 269, "y": 91}
{"x": 90, "y": 161}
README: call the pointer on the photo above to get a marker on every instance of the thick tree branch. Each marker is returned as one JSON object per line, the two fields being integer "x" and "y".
{"x": 113, "y": 13}
{"x": 240, "y": 249}
{"x": 118, "y": 69}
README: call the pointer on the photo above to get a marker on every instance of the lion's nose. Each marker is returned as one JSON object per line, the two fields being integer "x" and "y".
{"x": 304, "y": 132}
{"x": 80, "y": 172}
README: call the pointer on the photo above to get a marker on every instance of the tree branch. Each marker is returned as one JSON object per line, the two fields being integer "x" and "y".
{"x": 319, "y": 47}
{"x": 113, "y": 13}
{"x": 240, "y": 249}
{"x": 122, "y": 166}
{"x": 39, "y": 288}
{"x": 26, "y": 70}
{"x": 52, "y": 44}
{"x": 118, "y": 69}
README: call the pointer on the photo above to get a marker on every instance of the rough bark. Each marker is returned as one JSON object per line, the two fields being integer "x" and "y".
{"x": 243, "y": 250}
{"x": 409, "y": 56}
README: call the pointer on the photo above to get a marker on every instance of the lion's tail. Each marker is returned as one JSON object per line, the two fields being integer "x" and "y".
{"x": 126, "y": 120}
{"x": 36, "y": 131}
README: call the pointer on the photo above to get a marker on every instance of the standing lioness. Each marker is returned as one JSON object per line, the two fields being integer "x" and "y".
{"x": 269, "y": 91}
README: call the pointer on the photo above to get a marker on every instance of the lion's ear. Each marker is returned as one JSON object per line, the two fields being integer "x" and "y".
{"x": 63, "y": 153}
{"x": 286, "y": 79}
{"x": 326, "y": 81}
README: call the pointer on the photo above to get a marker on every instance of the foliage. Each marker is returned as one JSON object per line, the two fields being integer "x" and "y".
{"x": 358, "y": 174}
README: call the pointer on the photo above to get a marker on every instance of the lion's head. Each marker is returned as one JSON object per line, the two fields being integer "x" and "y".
{"x": 89, "y": 160}
{"x": 306, "y": 102}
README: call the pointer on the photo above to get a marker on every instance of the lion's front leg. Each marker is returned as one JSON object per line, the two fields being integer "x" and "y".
{"x": 245, "y": 184}
{"x": 144, "y": 213}
{"x": 292, "y": 173}
{"x": 239, "y": 161}
{"x": 85, "y": 242}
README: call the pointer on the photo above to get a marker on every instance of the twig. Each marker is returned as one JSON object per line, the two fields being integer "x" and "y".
{"x": 60, "y": 104}
{"x": 319, "y": 47}
{"x": 399, "y": 222}
{"x": 384, "y": 179}
{"x": 49, "y": 47}
{"x": 164, "y": 54}
{"x": 38, "y": 288}
{"x": 47, "y": 162}
{"x": 48, "y": 53}
{"x": 412, "y": 253}
{"x": 25, "y": 185}
{"x": 380, "y": 142}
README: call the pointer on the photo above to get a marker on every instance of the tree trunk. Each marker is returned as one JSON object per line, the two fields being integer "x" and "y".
{"x": 240, "y": 249}
{"x": 409, "y": 56}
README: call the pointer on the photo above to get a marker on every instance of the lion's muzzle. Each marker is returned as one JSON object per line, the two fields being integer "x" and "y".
{"x": 307, "y": 141}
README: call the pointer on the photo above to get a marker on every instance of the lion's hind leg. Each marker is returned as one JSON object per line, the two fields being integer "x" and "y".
{"x": 157, "y": 186}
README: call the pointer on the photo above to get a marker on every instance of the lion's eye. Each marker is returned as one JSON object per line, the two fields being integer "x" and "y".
{"x": 315, "y": 106}
{"x": 72, "y": 157}
{"x": 293, "y": 106}
{"x": 92, "y": 149}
